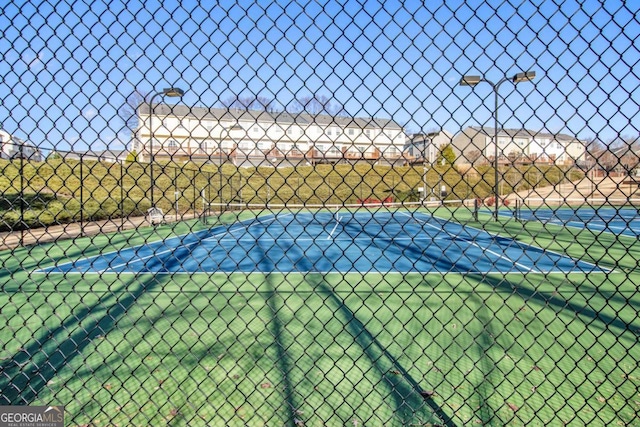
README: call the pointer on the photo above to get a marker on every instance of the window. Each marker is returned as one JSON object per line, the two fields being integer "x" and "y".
{"x": 204, "y": 146}
{"x": 351, "y": 131}
{"x": 334, "y": 151}
{"x": 172, "y": 145}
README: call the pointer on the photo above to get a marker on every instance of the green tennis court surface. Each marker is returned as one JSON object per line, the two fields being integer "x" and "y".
{"x": 266, "y": 348}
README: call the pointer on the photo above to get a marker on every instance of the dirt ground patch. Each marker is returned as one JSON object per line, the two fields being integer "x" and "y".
{"x": 596, "y": 191}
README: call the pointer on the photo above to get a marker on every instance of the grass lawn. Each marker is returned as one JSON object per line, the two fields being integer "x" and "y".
{"x": 334, "y": 349}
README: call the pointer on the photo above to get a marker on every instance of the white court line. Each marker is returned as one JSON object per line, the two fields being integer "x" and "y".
{"x": 597, "y": 223}
{"x": 245, "y": 224}
{"x": 590, "y": 226}
{"x": 601, "y": 225}
{"x": 472, "y": 243}
{"x": 289, "y": 238}
{"x": 334, "y": 229}
{"x": 127, "y": 263}
{"x": 562, "y": 255}
{"x": 304, "y": 273}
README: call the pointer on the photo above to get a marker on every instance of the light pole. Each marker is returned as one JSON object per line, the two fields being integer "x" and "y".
{"x": 427, "y": 162}
{"x": 171, "y": 92}
{"x": 474, "y": 80}
{"x": 441, "y": 187}
{"x": 425, "y": 152}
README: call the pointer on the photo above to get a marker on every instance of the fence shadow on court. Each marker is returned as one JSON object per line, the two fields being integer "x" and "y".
{"x": 29, "y": 371}
{"x": 409, "y": 396}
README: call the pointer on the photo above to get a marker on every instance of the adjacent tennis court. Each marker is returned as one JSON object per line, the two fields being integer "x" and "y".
{"x": 619, "y": 220}
{"x": 332, "y": 239}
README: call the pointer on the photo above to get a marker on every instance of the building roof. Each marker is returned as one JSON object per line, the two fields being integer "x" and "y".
{"x": 525, "y": 133}
{"x": 422, "y": 136}
{"x": 282, "y": 117}
{"x": 626, "y": 150}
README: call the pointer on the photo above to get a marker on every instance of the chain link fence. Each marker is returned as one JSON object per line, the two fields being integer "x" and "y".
{"x": 320, "y": 213}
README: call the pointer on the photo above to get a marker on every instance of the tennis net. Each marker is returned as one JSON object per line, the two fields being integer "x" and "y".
{"x": 322, "y": 214}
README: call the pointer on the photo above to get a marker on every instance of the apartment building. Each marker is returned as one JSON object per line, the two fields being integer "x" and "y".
{"x": 476, "y": 144}
{"x": 425, "y": 147}
{"x": 12, "y": 147}
{"x": 253, "y": 138}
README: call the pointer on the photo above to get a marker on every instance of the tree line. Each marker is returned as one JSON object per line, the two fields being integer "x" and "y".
{"x": 619, "y": 154}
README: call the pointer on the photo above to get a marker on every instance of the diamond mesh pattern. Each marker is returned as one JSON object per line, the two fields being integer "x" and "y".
{"x": 321, "y": 213}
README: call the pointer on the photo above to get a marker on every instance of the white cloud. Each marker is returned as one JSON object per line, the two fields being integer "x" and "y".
{"x": 89, "y": 113}
{"x": 134, "y": 55}
{"x": 32, "y": 60}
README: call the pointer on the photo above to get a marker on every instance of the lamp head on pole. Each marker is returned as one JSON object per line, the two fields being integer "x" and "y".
{"x": 173, "y": 92}
{"x": 470, "y": 80}
{"x": 524, "y": 77}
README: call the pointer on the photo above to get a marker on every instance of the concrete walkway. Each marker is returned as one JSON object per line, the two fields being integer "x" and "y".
{"x": 11, "y": 240}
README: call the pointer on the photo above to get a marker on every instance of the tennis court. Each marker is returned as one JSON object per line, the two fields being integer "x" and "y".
{"x": 289, "y": 291}
{"x": 332, "y": 239}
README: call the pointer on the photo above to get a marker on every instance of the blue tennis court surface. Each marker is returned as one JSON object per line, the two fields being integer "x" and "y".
{"x": 383, "y": 241}
{"x": 624, "y": 221}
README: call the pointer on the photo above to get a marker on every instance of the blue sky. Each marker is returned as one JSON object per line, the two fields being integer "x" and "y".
{"x": 67, "y": 67}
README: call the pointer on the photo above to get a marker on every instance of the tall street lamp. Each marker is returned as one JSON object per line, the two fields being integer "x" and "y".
{"x": 425, "y": 159}
{"x": 170, "y": 92}
{"x": 474, "y": 80}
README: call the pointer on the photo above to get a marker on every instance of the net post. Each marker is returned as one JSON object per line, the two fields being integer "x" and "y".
{"x": 476, "y": 207}
{"x": 204, "y": 207}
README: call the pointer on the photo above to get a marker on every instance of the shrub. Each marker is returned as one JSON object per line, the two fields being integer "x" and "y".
{"x": 132, "y": 157}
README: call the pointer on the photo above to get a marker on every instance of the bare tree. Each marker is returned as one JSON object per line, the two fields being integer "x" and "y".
{"x": 264, "y": 103}
{"x": 317, "y": 104}
{"x": 128, "y": 112}
{"x": 248, "y": 102}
